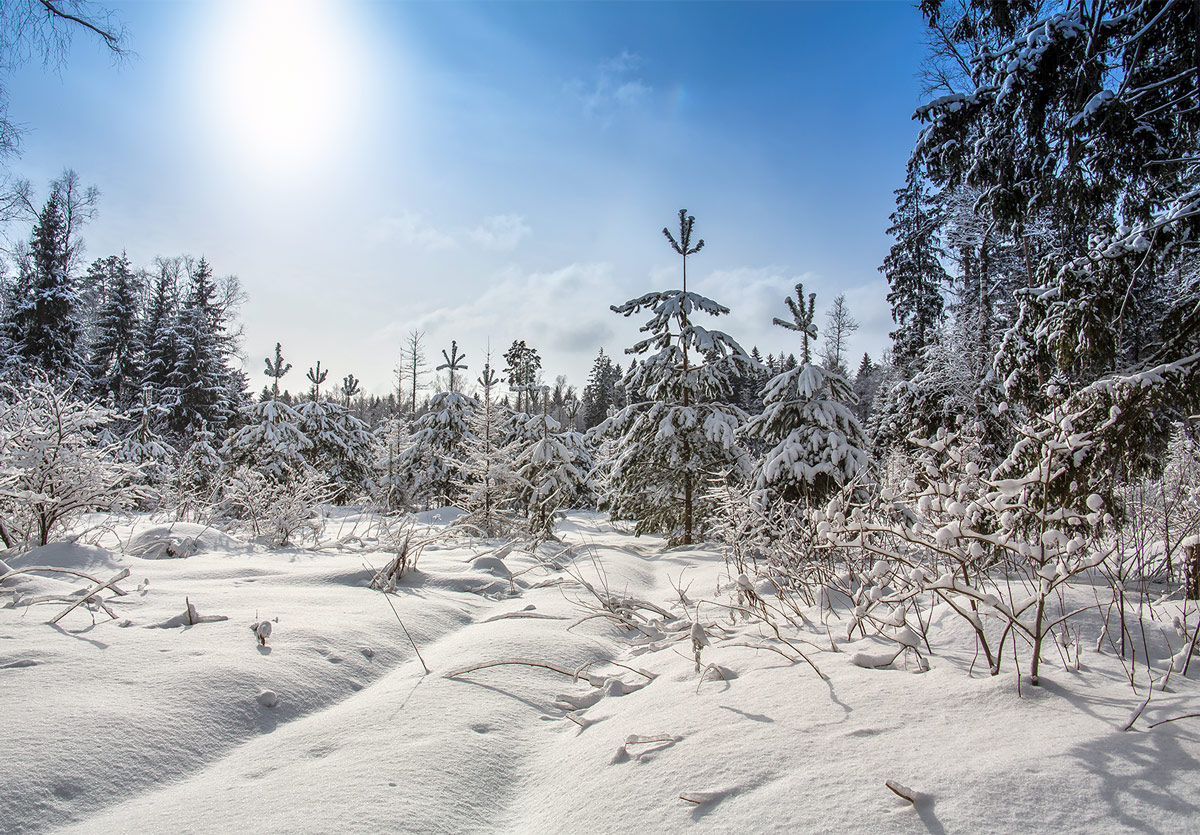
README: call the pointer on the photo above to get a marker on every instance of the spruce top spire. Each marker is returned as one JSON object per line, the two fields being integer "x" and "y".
{"x": 683, "y": 244}
{"x": 802, "y": 317}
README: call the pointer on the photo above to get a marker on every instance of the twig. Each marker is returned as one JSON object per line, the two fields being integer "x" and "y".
{"x": 486, "y": 664}
{"x": 1174, "y": 719}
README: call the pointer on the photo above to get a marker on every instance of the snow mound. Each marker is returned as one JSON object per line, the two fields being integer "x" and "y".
{"x": 439, "y": 516}
{"x": 182, "y": 539}
{"x": 89, "y": 558}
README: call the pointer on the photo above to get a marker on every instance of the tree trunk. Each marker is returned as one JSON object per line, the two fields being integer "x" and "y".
{"x": 1191, "y": 559}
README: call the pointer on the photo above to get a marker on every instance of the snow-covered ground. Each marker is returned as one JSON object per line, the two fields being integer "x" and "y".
{"x": 147, "y": 724}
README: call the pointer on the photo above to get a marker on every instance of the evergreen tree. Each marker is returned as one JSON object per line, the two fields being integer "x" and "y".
{"x": 453, "y": 364}
{"x": 600, "y": 394}
{"x": 276, "y": 369}
{"x": 554, "y": 473}
{"x": 523, "y": 369}
{"x": 197, "y": 394}
{"x": 350, "y": 387}
{"x": 315, "y": 377}
{"x": 160, "y": 335}
{"x": 488, "y": 483}
{"x": 866, "y": 388}
{"x": 45, "y": 318}
{"x": 816, "y": 442}
{"x": 339, "y": 447}
{"x": 914, "y": 272}
{"x": 114, "y": 366}
{"x": 684, "y": 431}
{"x": 432, "y": 465}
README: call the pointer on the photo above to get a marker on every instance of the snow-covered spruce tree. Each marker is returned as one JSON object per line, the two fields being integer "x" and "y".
{"x": 339, "y": 447}
{"x": 270, "y": 441}
{"x": 489, "y": 484}
{"x": 816, "y": 444}
{"x": 554, "y": 473}
{"x": 144, "y": 449}
{"x": 160, "y": 337}
{"x": 1082, "y": 124}
{"x": 600, "y": 393}
{"x": 53, "y": 465}
{"x": 679, "y": 427}
{"x": 114, "y": 364}
{"x": 44, "y": 318}
{"x": 432, "y": 466}
{"x": 197, "y": 395}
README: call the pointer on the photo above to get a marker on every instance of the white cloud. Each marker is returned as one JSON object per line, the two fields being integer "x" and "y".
{"x": 501, "y": 232}
{"x": 411, "y": 230}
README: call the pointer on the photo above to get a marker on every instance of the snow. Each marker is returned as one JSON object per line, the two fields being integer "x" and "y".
{"x": 332, "y": 725}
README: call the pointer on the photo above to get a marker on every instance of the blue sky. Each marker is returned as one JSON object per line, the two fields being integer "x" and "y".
{"x": 490, "y": 171}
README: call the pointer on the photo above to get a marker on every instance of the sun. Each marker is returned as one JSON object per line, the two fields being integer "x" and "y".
{"x": 286, "y": 79}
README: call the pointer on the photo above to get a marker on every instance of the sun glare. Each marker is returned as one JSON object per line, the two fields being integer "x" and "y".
{"x": 286, "y": 79}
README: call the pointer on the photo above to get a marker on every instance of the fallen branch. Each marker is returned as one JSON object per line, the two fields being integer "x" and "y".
{"x": 89, "y": 594}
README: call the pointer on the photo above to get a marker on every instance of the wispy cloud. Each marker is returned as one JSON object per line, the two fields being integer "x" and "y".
{"x": 615, "y": 87}
{"x": 411, "y": 229}
{"x": 501, "y": 232}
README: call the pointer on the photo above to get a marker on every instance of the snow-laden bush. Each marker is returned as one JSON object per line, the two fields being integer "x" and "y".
{"x": 54, "y": 465}
{"x": 996, "y": 548}
{"x": 280, "y": 513}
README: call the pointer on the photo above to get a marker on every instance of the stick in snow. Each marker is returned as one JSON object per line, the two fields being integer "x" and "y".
{"x": 902, "y": 791}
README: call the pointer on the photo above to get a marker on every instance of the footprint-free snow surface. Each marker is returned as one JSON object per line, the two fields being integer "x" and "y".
{"x": 172, "y": 719}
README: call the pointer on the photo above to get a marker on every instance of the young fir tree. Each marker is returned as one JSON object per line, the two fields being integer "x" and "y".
{"x": 270, "y": 442}
{"x": 276, "y": 369}
{"x": 114, "y": 366}
{"x": 488, "y": 483}
{"x": 914, "y": 272}
{"x": 340, "y": 447}
{"x": 453, "y": 364}
{"x": 350, "y": 387}
{"x": 816, "y": 442}
{"x": 554, "y": 473}
{"x": 684, "y": 430}
{"x": 432, "y": 465}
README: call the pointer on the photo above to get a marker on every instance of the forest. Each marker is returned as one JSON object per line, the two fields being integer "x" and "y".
{"x": 1011, "y": 491}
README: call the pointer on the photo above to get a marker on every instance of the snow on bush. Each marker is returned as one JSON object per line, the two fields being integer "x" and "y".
{"x": 54, "y": 466}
